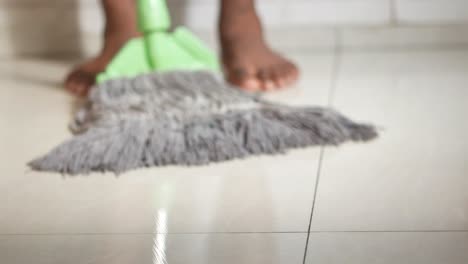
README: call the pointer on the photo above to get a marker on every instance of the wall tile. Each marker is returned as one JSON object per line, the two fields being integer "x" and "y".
{"x": 432, "y": 11}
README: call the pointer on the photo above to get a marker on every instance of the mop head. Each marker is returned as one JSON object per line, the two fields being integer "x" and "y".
{"x": 187, "y": 118}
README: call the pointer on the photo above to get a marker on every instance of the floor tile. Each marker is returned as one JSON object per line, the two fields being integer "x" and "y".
{"x": 414, "y": 176}
{"x": 261, "y": 194}
{"x": 388, "y": 248}
{"x": 154, "y": 249}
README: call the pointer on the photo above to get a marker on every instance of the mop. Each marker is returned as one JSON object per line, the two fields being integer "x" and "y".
{"x": 162, "y": 101}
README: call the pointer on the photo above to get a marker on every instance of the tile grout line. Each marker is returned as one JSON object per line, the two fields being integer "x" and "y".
{"x": 337, "y": 50}
{"x": 393, "y": 13}
{"x": 317, "y": 180}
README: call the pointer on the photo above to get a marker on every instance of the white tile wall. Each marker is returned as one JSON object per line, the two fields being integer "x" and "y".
{"x": 432, "y": 11}
{"x": 202, "y": 13}
{"x": 66, "y": 26}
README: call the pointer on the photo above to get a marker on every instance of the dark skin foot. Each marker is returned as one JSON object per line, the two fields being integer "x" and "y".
{"x": 248, "y": 61}
{"x": 121, "y": 26}
{"x": 83, "y": 77}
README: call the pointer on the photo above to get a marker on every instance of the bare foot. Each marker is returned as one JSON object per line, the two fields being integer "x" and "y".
{"x": 83, "y": 77}
{"x": 121, "y": 26}
{"x": 248, "y": 61}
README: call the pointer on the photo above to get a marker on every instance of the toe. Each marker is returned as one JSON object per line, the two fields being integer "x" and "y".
{"x": 79, "y": 82}
{"x": 266, "y": 78}
{"x": 244, "y": 78}
{"x": 287, "y": 75}
{"x": 280, "y": 76}
{"x": 73, "y": 86}
{"x": 81, "y": 89}
{"x": 77, "y": 88}
{"x": 70, "y": 81}
{"x": 292, "y": 72}
{"x": 250, "y": 84}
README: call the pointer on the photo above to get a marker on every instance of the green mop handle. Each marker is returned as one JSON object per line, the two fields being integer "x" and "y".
{"x": 154, "y": 22}
{"x": 153, "y": 16}
{"x": 166, "y": 50}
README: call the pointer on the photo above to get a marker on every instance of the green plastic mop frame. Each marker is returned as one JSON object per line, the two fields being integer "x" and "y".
{"x": 158, "y": 49}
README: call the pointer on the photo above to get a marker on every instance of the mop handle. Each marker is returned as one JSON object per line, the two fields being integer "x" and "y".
{"x": 153, "y": 16}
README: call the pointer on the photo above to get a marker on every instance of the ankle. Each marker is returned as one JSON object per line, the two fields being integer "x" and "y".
{"x": 120, "y": 34}
{"x": 240, "y": 28}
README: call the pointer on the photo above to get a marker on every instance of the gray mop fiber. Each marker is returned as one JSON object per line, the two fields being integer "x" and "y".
{"x": 187, "y": 118}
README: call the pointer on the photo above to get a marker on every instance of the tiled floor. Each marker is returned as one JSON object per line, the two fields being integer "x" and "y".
{"x": 400, "y": 199}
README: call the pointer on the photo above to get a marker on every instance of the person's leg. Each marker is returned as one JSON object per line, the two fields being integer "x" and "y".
{"x": 248, "y": 61}
{"x": 121, "y": 25}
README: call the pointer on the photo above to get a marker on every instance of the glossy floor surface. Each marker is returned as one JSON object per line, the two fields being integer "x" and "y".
{"x": 400, "y": 199}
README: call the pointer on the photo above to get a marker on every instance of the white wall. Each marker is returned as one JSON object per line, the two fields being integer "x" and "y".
{"x": 61, "y": 26}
